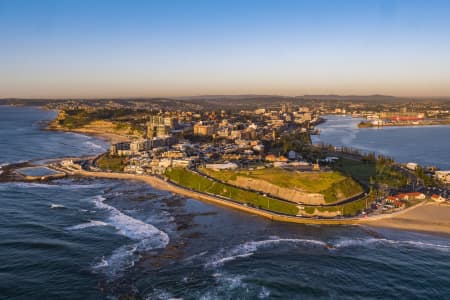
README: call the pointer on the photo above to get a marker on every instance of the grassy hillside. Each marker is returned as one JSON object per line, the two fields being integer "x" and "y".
{"x": 199, "y": 183}
{"x": 333, "y": 185}
{"x": 121, "y": 122}
{"x": 349, "y": 209}
{"x": 370, "y": 171}
{"x": 111, "y": 163}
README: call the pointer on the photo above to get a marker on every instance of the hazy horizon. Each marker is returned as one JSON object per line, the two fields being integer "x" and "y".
{"x": 131, "y": 49}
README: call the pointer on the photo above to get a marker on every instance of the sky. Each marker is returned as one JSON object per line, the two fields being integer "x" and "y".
{"x": 168, "y": 48}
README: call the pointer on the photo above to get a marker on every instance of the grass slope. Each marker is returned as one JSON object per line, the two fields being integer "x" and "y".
{"x": 196, "y": 182}
{"x": 112, "y": 163}
{"x": 333, "y": 185}
{"x": 367, "y": 171}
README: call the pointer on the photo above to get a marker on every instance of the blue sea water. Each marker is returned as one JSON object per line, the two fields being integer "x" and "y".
{"x": 105, "y": 239}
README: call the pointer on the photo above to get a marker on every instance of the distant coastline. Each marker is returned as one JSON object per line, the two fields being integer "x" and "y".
{"x": 422, "y": 124}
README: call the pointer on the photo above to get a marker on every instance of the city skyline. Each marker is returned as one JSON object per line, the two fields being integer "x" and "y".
{"x": 82, "y": 49}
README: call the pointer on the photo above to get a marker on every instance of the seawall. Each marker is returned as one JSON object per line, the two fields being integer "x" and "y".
{"x": 163, "y": 185}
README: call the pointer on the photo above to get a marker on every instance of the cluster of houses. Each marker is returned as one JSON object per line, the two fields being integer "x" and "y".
{"x": 400, "y": 200}
{"x": 173, "y": 141}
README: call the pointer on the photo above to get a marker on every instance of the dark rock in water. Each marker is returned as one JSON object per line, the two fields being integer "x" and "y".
{"x": 329, "y": 246}
{"x": 174, "y": 201}
{"x": 372, "y": 233}
{"x": 182, "y": 226}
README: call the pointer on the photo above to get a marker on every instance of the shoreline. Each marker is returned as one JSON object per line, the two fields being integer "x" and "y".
{"x": 425, "y": 217}
{"x": 111, "y": 138}
{"x": 161, "y": 184}
{"x": 415, "y": 218}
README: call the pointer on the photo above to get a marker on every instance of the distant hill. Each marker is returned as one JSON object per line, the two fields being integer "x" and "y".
{"x": 228, "y": 102}
{"x": 351, "y": 97}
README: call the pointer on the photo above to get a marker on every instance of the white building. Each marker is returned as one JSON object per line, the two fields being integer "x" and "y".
{"x": 443, "y": 176}
{"x": 224, "y": 166}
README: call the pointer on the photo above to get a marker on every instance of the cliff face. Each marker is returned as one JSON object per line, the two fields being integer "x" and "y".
{"x": 112, "y": 131}
{"x": 56, "y": 123}
{"x": 337, "y": 192}
{"x": 291, "y": 194}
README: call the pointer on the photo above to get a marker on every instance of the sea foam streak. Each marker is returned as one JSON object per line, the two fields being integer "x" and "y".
{"x": 24, "y": 185}
{"x": 343, "y": 243}
{"x": 225, "y": 283}
{"x": 91, "y": 223}
{"x": 2, "y": 165}
{"x": 54, "y": 205}
{"x": 249, "y": 248}
{"x": 93, "y": 145}
{"x": 146, "y": 237}
{"x": 122, "y": 258}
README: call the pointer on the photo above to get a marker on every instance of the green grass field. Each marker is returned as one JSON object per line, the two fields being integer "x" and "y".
{"x": 333, "y": 185}
{"x": 196, "y": 182}
{"x": 112, "y": 163}
{"x": 365, "y": 171}
{"x": 349, "y": 209}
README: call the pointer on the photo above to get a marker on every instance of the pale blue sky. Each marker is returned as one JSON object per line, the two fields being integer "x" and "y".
{"x": 124, "y": 48}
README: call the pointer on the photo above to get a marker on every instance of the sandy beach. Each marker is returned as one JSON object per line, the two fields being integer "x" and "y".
{"x": 430, "y": 217}
{"x": 112, "y": 138}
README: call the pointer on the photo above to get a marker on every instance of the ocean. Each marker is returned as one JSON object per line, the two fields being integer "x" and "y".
{"x": 82, "y": 238}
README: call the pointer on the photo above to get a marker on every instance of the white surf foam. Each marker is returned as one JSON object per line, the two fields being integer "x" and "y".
{"x": 91, "y": 223}
{"x": 121, "y": 259}
{"x": 249, "y": 248}
{"x": 225, "y": 283}
{"x": 264, "y": 293}
{"x": 343, "y": 243}
{"x": 196, "y": 256}
{"x": 148, "y": 236}
{"x": 24, "y": 185}
{"x": 419, "y": 244}
{"x": 144, "y": 235}
{"x": 93, "y": 145}
{"x": 53, "y": 205}
{"x": 160, "y": 294}
{"x": 3, "y": 164}
{"x": 223, "y": 260}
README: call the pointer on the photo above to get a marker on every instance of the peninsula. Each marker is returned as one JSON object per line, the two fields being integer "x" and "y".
{"x": 258, "y": 160}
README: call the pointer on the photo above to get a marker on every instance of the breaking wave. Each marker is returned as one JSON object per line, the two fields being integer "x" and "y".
{"x": 94, "y": 145}
{"x": 25, "y": 185}
{"x": 145, "y": 236}
{"x": 148, "y": 236}
{"x": 91, "y": 223}
{"x": 249, "y": 248}
{"x": 55, "y": 205}
{"x": 343, "y": 243}
{"x": 121, "y": 259}
{"x": 228, "y": 284}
